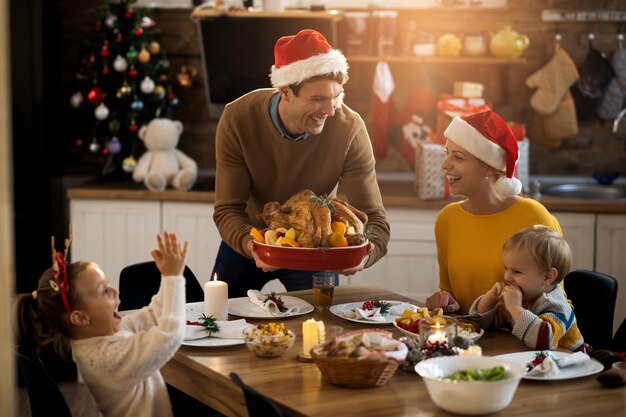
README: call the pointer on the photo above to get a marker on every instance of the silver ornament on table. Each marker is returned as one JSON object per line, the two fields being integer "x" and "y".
{"x": 147, "y": 85}
{"x": 120, "y": 64}
{"x": 76, "y": 99}
{"x": 101, "y": 112}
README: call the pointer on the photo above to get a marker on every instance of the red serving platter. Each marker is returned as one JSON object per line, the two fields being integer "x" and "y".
{"x": 312, "y": 259}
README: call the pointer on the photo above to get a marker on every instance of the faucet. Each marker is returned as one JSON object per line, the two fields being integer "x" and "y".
{"x": 618, "y": 119}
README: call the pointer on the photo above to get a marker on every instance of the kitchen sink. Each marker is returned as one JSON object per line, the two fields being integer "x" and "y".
{"x": 586, "y": 191}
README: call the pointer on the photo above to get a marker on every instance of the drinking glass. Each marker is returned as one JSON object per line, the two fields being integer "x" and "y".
{"x": 323, "y": 288}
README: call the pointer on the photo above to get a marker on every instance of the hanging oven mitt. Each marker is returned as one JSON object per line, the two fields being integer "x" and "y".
{"x": 550, "y": 130}
{"x": 552, "y": 82}
{"x": 613, "y": 100}
{"x": 595, "y": 75}
{"x": 384, "y": 109}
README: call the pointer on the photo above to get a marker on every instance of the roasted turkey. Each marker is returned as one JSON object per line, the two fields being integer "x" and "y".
{"x": 311, "y": 216}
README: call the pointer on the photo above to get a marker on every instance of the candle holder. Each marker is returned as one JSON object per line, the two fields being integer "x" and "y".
{"x": 437, "y": 335}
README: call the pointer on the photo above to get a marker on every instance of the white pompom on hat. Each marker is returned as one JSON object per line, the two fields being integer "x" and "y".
{"x": 305, "y": 55}
{"x": 487, "y": 136}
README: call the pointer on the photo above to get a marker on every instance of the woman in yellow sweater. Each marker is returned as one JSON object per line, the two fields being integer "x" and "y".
{"x": 481, "y": 153}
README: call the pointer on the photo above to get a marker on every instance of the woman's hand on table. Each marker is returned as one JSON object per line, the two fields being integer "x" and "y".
{"x": 444, "y": 300}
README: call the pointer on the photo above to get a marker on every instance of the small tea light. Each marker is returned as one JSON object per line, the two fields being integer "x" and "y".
{"x": 313, "y": 333}
{"x": 216, "y": 299}
{"x": 437, "y": 330}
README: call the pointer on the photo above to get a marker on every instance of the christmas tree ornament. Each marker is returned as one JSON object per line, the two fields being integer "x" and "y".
{"x": 110, "y": 21}
{"x": 98, "y": 26}
{"x": 137, "y": 105}
{"x": 144, "y": 55}
{"x": 132, "y": 72}
{"x": 147, "y": 85}
{"x": 105, "y": 151}
{"x": 146, "y": 22}
{"x": 133, "y": 126}
{"x": 114, "y": 145}
{"x": 124, "y": 91}
{"x": 120, "y": 64}
{"x": 128, "y": 14}
{"x": 76, "y": 99}
{"x": 131, "y": 54}
{"x": 114, "y": 126}
{"x": 159, "y": 91}
{"x": 94, "y": 146}
{"x": 174, "y": 102}
{"x": 154, "y": 47}
{"x": 101, "y": 112}
{"x": 105, "y": 70}
{"x": 105, "y": 49}
{"x": 119, "y": 38}
{"x": 129, "y": 164}
{"x": 186, "y": 75}
{"x": 95, "y": 95}
{"x": 78, "y": 142}
{"x": 138, "y": 31}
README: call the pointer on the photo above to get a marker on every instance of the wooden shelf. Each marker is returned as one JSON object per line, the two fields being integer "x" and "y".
{"x": 438, "y": 60}
{"x": 287, "y": 14}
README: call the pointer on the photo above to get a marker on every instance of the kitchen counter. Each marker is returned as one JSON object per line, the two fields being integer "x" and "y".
{"x": 397, "y": 191}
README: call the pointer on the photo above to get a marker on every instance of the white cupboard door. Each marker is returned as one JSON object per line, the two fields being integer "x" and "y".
{"x": 194, "y": 223}
{"x": 114, "y": 233}
{"x": 611, "y": 257}
{"x": 579, "y": 231}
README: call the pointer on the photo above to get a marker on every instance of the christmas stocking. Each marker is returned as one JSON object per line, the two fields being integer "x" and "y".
{"x": 552, "y": 82}
{"x": 383, "y": 109}
{"x": 613, "y": 99}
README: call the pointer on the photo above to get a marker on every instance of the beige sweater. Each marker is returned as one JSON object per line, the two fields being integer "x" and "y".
{"x": 122, "y": 371}
{"x": 256, "y": 165}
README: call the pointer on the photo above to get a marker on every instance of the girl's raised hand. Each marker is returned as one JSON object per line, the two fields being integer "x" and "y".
{"x": 170, "y": 256}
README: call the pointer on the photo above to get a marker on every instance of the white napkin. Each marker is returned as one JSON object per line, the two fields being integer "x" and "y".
{"x": 548, "y": 367}
{"x": 370, "y": 315}
{"x": 232, "y": 329}
{"x": 398, "y": 309}
{"x": 256, "y": 297}
{"x": 573, "y": 359}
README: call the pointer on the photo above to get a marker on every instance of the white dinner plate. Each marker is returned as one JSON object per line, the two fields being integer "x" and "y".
{"x": 243, "y": 307}
{"x": 193, "y": 312}
{"x": 340, "y": 310}
{"x": 575, "y": 371}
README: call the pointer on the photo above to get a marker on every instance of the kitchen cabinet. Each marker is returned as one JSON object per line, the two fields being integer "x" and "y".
{"x": 579, "y": 231}
{"x": 611, "y": 257}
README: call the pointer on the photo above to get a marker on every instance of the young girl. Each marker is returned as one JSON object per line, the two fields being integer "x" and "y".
{"x": 119, "y": 358}
{"x": 530, "y": 300}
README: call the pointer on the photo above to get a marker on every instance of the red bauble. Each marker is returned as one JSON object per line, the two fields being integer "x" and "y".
{"x": 98, "y": 25}
{"x": 120, "y": 38}
{"x": 79, "y": 142}
{"x": 128, "y": 14}
{"x": 133, "y": 127}
{"x": 95, "y": 96}
{"x": 132, "y": 72}
{"x": 138, "y": 31}
{"x": 106, "y": 70}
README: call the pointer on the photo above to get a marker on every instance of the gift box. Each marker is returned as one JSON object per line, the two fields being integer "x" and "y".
{"x": 468, "y": 90}
{"x": 413, "y": 132}
{"x": 430, "y": 180}
{"x": 449, "y": 108}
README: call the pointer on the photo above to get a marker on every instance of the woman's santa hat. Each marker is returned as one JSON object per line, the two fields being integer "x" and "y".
{"x": 487, "y": 136}
{"x": 305, "y": 55}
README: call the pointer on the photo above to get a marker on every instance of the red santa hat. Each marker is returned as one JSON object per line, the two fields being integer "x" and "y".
{"x": 487, "y": 136}
{"x": 303, "y": 56}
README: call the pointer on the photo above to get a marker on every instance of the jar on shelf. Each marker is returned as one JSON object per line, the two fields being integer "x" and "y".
{"x": 385, "y": 24}
{"x": 424, "y": 44}
{"x": 474, "y": 45}
{"x": 358, "y": 33}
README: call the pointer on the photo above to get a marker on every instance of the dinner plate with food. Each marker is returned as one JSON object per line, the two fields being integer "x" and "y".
{"x": 311, "y": 233}
{"x": 374, "y": 311}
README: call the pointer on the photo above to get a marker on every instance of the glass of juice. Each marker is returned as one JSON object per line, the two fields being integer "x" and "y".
{"x": 323, "y": 286}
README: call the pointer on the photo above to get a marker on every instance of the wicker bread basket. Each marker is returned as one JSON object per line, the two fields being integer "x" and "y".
{"x": 352, "y": 372}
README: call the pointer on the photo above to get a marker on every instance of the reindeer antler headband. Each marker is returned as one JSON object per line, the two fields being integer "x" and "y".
{"x": 59, "y": 265}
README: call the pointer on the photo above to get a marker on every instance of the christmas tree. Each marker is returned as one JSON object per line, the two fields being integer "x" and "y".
{"x": 123, "y": 82}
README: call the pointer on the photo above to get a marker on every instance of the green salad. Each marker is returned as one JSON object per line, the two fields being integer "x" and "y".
{"x": 496, "y": 373}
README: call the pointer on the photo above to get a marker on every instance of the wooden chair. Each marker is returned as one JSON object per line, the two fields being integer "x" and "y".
{"x": 257, "y": 404}
{"x": 44, "y": 396}
{"x": 593, "y": 295}
{"x": 139, "y": 282}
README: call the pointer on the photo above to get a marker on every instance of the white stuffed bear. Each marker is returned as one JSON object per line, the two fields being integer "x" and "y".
{"x": 162, "y": 164}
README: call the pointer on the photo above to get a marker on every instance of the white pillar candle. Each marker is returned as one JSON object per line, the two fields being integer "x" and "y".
{"x": 310, "y": 336}
{"x": 216, "y": 299}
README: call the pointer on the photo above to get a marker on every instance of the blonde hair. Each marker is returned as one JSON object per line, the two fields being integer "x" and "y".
{"x": 546, "y": 246}
{"x": 41, "y": 318}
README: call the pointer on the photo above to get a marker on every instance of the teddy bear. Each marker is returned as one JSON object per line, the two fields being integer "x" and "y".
{"x": 162, "y": 164}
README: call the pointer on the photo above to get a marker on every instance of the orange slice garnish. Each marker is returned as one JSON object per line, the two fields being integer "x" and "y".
{"x": 285, "y": 241}
{"x": 256, "y": 235}
{"x": 337, "y": 240}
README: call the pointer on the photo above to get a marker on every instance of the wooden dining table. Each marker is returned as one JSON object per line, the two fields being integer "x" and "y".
{"x": 299, "y": 389}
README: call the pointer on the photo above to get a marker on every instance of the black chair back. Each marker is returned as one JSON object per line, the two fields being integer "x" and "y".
{"x": 593, "y": 295}
{"x": 618, "y": 344}
{"x": 257, "y": 404}
{"x": 139, "y": 282}
{"x": 45, "y": 398}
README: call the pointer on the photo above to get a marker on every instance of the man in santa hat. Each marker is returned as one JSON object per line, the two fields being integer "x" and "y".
{"x": 273, "y": 143}
{"x": 481, "y": 154}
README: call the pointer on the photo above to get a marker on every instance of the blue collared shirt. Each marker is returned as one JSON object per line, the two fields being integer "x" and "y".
{"x": 279, "y": 126}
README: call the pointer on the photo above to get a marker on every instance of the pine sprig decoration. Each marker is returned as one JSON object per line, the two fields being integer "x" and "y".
{"x": 277, "y": 299}
{"x": 376, "y": 303}
{"x": 210, "y": 324}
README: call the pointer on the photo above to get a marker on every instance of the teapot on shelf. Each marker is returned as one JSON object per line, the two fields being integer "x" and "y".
{"x": 507, "y": 43}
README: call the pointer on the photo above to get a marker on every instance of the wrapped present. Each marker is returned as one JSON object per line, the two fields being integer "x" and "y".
{"x": 413, "y": 132}
{"x": 430, "y": 180}
{"x": 449, "y": 108}
{"x": 468, "y": 90}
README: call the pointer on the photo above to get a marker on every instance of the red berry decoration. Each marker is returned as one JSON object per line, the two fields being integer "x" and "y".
{"x": 139, "y": 31}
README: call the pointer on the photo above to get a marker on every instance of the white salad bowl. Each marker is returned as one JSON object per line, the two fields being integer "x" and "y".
{"x": 469, "y": 397}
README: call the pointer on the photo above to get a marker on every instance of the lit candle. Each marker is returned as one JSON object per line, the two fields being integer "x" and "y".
{"x": 310, "y": 336}
{"x": 439, "y": 335}
{"x": 216, "y": 299}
